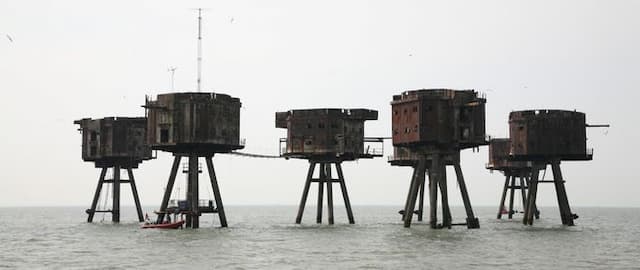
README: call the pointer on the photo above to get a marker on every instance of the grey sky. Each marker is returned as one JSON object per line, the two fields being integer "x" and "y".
{"x": 75, "y": 59}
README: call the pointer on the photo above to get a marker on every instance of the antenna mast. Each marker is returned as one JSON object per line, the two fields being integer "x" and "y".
{"x": 173, "y": 72}
{"x": 199, "y": 47}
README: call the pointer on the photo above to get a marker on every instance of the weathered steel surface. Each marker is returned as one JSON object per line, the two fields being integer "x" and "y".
{"x": 336, "y": 133}
{"x": 439, "y": 117}
{"x": 194, "y": 123}
{"x": 548, "y": 134}
{"x": 405, "y": 157}
{"x": 114, "y": 140}
{"x": 499, "y": 158}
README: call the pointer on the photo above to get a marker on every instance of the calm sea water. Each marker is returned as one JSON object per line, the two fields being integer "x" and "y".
{"x": 265, "y": 237}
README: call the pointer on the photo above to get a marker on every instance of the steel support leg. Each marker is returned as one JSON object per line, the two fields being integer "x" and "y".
{"x": 115, "y": 214}
{"x": 511, "y": 196}
{"x": 523, "y": 188}
{"x": 192, "y": 192}
{"x": 413, "y": 193}
{"x": 472, "y": 221}
{"x": 414, "y": 178}
{"x": 345, "y": 194}
{"x": 446, "y": 212}
{"x": 421, "y": 198}
{"x": 96, "y": 196}
{"x": 531, "y": 197}
{"x": 434, "y": 176}
{"x": 561, "y": 193}
{"x": 329, "y": 182}
{"x": 305, "y": 192}
{"x": 168, "y": 189}
{"x": 134, "y": 191}
{"x": 216, "y": 192}
{"x": 504, "y": 195}
{"x": 321, "y": 191}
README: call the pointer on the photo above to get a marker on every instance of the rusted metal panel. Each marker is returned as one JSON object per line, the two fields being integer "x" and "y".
{"x": 439, "y": 117}
{"x": 403, "y": 156}
{"x": 325, "y": 132}
{"x": 114, "y": 140}
{"x": 548, "y": 134}
{"x": 499, "y": 158}
{"x": 187, "y": 122}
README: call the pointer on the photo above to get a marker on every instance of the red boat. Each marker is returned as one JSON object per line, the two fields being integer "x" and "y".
{"x": 174, "y": 225}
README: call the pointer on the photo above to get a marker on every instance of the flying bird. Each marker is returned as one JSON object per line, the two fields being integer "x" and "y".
{"x": 9, "y": 38}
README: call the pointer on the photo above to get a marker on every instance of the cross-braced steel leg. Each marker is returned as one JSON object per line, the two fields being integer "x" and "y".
{"x": 96, "y": 196}
{"x": 472, "y": 221}
{"x": 345, "y": 194}
{"x": 134, "y": 190}
{"x": 168, "y": 189}
{"x": 501, "y": 207}
{"x": 305, "y": 192}
{"x": 216, "y": 192}
{"x": 561, "y": 193}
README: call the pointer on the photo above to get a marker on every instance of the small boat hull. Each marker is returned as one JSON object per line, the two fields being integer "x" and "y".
{"x": 173, "y": 225}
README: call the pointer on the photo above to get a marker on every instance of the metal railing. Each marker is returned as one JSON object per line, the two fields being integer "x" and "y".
{"x": 282, "y": 150}
{"x": 372, "y": 146}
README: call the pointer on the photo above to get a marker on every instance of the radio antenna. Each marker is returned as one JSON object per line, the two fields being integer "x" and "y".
{"x": 173, "y": 73}
{"x": 199, "y": 48}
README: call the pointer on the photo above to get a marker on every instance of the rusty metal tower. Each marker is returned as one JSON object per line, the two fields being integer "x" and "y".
{"x": 327, "y": 137}
{"x": 194, "y": 125}
{"x": 114, "y": 143}
{"x": 435, "y": 125}
{"x": 547, "y": 137}
{"x": 517, "y": 174}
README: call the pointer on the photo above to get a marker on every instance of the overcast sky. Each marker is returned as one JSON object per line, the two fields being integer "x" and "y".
{"x": 65, "y": 60}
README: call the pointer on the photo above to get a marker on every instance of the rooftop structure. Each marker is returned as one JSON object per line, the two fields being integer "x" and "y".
{"x": 548, "y": 134}
{"x": 333, "y": 133}
{"x": 438, "y": 117}
{"x": 187, "y": 122}
{"x": 113, "y": 140}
